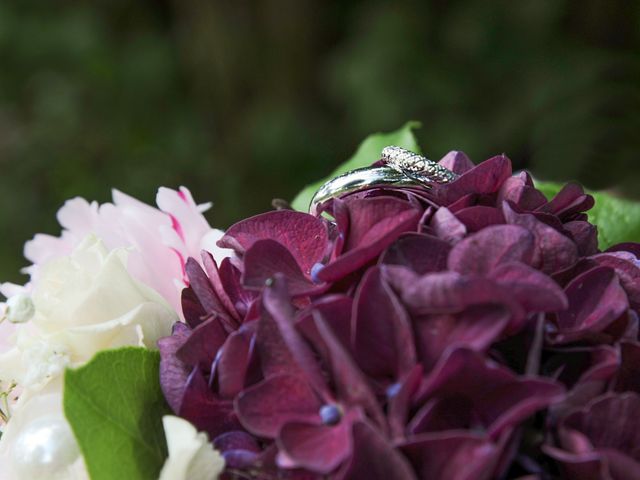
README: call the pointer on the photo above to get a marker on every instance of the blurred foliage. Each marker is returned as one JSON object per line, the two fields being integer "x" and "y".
{"x": 245, "y": 101}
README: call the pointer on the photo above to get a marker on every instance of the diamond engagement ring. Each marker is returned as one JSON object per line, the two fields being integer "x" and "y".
{"x": 401, "y": 168}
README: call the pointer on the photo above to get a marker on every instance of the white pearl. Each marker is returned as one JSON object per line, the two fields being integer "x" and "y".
{"x": 20, "y": 308}
{"x": 45, "y": 448}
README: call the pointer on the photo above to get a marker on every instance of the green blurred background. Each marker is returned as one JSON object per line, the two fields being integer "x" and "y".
{"x": 243, "y": 101}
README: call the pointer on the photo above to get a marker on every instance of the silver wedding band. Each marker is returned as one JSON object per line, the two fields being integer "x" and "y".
{"x": 402, "y": 168}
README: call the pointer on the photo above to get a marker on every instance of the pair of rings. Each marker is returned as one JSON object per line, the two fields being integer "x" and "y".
{"x": 400, "y": 168}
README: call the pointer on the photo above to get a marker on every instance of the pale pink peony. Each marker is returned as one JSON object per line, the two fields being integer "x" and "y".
{"x": 160, "y": 239}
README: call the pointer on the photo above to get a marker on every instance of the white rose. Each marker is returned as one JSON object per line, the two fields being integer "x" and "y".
{"x": 84, "y": 303}
{"x": 191, "y": 455}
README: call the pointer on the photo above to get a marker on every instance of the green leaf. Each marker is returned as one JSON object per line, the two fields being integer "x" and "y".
{"x": 617, "y": 219}
{"x": 367, "y": 153}
{"x": 115, "y": 406}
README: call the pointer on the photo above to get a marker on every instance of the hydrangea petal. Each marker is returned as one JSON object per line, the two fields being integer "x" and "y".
{"x": 596, "y": 300}
{"x": 204, "y": 410}
{"x": 459, "y": 455}
{"x": 266, "y": 258}
{"x": 316, "y": 447}
{"x": 410, "y": 250}
{"x": 202, "y": 344}
{"x": 234, "y": 358}
{"x": 481, "y": 252}
{"x": 383, "y": 341}
{"x": 375, "y": 458}
{"x": 553, "y": 250}
{"x": 305, "y": 236}
{"x": 374, "y": 223}
{"x": 456, "y": 161}
{"x": 446, "y": 226}
{"x": 477, "y": 217}
{"x": 627, "y": 267}
{"x": 266, "y": 407}
{"x": 173, "y": 372}
{"x": 486, "y": 177}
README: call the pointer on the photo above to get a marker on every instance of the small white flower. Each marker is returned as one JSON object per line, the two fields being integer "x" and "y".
{"x": 43, "y": 360}
{"x": 191, "y": 455}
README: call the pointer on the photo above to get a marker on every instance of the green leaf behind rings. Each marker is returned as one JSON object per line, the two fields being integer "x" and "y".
{"x": 617, "y": 219}
{"x": 368, "y": 152}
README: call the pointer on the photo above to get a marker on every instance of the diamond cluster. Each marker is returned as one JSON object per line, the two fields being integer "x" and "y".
{"x": 416, "y": 166}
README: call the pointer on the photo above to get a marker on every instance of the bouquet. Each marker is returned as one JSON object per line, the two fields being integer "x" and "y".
{"x": 424, "y": 321}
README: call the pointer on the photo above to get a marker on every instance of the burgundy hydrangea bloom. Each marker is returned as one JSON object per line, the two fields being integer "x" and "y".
{"x": 472, "y": 331}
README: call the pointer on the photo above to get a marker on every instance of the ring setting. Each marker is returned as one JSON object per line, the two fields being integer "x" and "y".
{"x": 400, "y": 168}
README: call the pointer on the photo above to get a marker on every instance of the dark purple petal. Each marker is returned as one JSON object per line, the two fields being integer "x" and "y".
{"x": 631, "y": 247}
{"x": 207, "y": 413}
{"x": 275, "y": 355}
{"x": 208, "y": 297}
{"x": 336, "y": 311}
{"x": 265, "y": 408}
{"x": 266, "y": 258}
{"x": 202, "y": 345}
{"x": 217, "y": 283}
{"x": 609, "y": 427}
{"x": 194, "y": 313}
{"x": 374, "y": 458}
{"x": 350, "y": 382}
{"x": 534, "y": 290}
{"x": 421, "y": 253}
{"x": 584, "y": 235}
{"x": 400, "y": 397}
{"x": 569, "y": 201}
{"x": 584, "y": 466}
{"x": 446, "y": 292}
{"x": 236, "y": 440}
{"x": 305, "y": 236}
{"x": 374, "y": 223}
{"x": 478, "y": 217}
{"x": 240, "y": 297}
{"x": 383, "y": 341}
{"x": 443, "y": 414}
{"x": 596, "y": 300}
{"x": 446, "y": 226}
{"x": 233, "y": 362}
{"x": 453, "y": 455}
{"x": 203, "y": 289}
{"x": 585, "y": 371}
{"x": 627, "y": 267}
{"x": 553, "y": 250}
{"x": 464, "y": 202}
{"x": 278, "y": 305}
{"x": 173, "y": 372}
{"x": 486, "y": 177}
{"x": 629, "y": 375}
{"x": 519, "y": 191}
{"x": 239, "y": 449}
{"x": 457, "y": 162}
{"x": 483, "y": 251}
{"x": 500, "y": 399}
{"x": 476, "y": 327}
{"x": 316, "y": 447}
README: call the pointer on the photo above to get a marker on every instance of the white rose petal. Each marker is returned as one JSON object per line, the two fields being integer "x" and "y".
{"x": 84, "y": 303}
{"x": 191, "y": 456}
